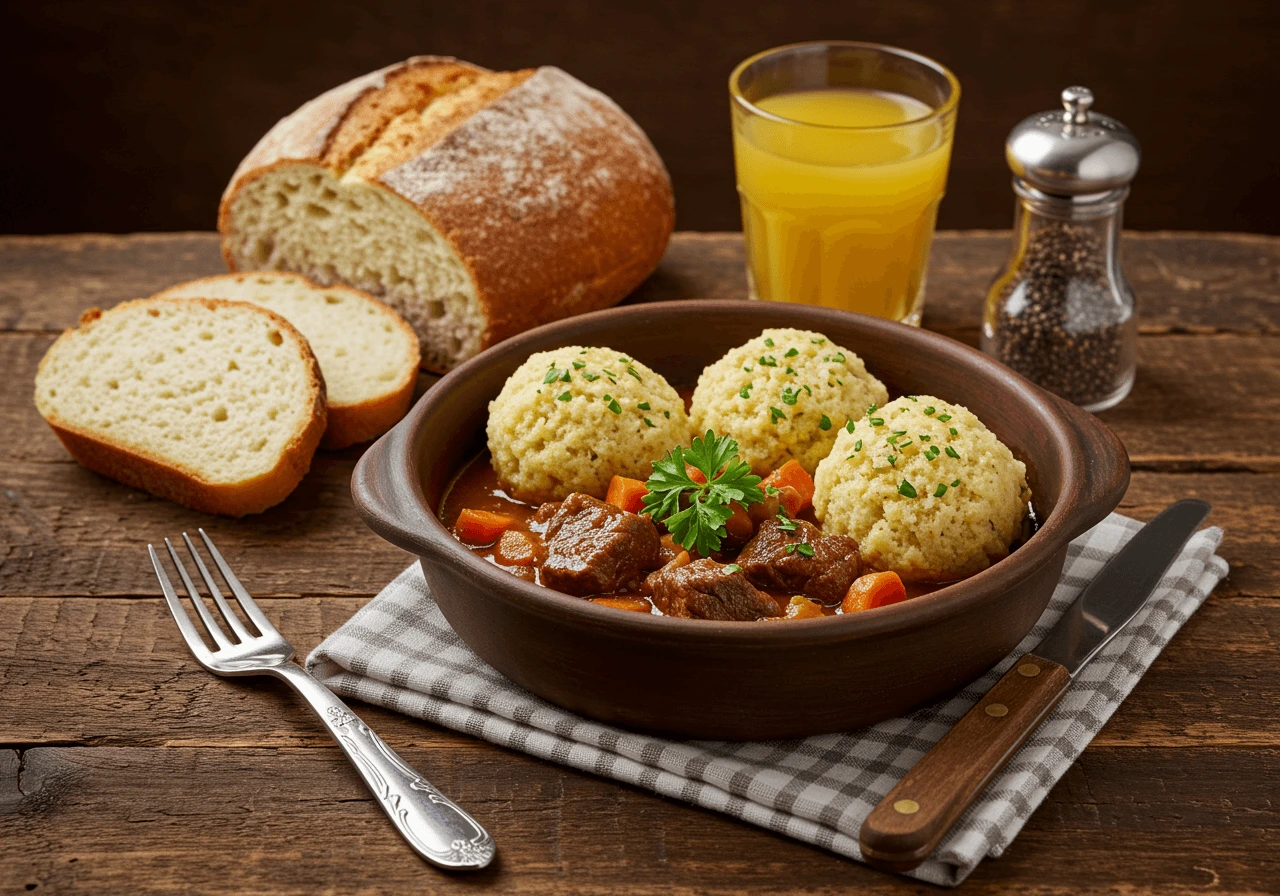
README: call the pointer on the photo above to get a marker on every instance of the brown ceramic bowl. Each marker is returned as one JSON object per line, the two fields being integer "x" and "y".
{"x": 738, "y": 680}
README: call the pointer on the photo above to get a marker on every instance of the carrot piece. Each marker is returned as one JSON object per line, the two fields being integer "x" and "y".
{"x": 739, "y": 527}
{"x": 695, "y": 474}
{"x": 792, "y": 475}
{"x": 627, "y": 494}
{"x": 480, "y": 527}
{"x": 633, "y": 604}
{"x": 876, "y": 589}
{"x": 515, "y": 549}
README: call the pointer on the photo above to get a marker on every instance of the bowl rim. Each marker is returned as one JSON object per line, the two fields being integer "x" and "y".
{"x": 400, "y": 449}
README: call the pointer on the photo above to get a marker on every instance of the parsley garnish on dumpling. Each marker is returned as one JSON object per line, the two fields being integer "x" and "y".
{"x": 696, "y": 512}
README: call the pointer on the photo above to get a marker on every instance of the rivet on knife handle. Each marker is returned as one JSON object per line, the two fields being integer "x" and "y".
{"x": 912, "y": 819}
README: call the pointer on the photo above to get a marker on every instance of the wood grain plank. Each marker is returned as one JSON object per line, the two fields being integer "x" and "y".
{"x": 147, "y": 820}
{"x": 1185, "y": 282}
{"x": 113, "y": 671}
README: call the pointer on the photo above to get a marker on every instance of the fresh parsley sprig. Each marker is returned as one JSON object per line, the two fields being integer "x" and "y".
{"x": 696, "y": 512}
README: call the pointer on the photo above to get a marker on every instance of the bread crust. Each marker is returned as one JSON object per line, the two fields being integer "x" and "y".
{"x": 553, "y": 198}
{"x": 143, "y": 470}
{"x": 352, "y": 422}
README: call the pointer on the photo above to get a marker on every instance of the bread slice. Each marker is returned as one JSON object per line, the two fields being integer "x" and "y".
{"x": 367, "y": 353}
{"x": 216, "y": 405}
{"x": 477, "y": 204}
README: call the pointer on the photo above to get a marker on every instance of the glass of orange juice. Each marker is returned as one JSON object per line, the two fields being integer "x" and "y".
{"x": 841, "y": 151}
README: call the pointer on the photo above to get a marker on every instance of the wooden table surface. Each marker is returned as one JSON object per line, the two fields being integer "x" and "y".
{"x": 124, "y": 768}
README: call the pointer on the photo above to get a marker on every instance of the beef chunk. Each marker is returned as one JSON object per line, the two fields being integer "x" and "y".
{"x": 593, "y": 547}
{"x": 824, "y": 577}
{"x": 705, "y": 589}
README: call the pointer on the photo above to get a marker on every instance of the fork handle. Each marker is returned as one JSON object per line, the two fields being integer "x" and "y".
{"x": 436, "y": 827}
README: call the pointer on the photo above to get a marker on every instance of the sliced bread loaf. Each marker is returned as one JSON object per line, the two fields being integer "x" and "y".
{"x": 367, "y": 353}
{"x": 216, "y": 405}
{"x": 477, "y": 204}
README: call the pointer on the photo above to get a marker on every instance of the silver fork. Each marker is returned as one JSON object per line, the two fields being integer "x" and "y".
{"x": 440, "y": 831}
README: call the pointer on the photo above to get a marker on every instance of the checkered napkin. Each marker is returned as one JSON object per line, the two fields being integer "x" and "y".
{"x": 399, "y": 652}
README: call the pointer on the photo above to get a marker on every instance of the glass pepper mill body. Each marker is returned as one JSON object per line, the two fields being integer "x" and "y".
{"x": 1061, "y": 313}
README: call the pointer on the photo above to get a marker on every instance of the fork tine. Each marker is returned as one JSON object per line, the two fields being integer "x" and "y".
{"x": 232, "y": 619}
{"x": 250, "y": 607}
{"x": 189, "y": 632}
{"x": 215, "y": 630}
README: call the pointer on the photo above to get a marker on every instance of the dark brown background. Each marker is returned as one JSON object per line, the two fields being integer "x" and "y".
{"x": 131, "y": 116}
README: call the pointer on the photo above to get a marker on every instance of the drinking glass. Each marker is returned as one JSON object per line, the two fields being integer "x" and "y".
{"x": 841, "y": 150}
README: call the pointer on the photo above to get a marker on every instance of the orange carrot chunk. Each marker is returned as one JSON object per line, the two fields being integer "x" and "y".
{"x": 695, "y": 474}
{"x": 793, "y": 476}
{"x": 739, "y": 527}
{"x": 633, "y": 604}
{"x": 627, "y": 494}
{"x": 876, "y": 589}
{"x": 515, "y": 549}
{"x": 480, "y": 527}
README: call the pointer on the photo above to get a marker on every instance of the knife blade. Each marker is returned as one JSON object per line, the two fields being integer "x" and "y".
{"x": 909, "y": 823}
{"x": 1117, "y": 593}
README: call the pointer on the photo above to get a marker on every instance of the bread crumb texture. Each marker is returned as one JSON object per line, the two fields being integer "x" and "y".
{"x": 569, "y": 420}
{"x": 217, "y": 390}
{"x": 783, "y": 395}
{"x": 364, "y": 349}
{"x": 926, "y": 489}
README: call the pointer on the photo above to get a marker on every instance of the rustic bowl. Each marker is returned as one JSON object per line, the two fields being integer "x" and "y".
{"x": 735, "y": 680}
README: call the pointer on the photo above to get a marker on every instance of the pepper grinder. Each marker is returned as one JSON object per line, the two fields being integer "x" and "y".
{"x": 1061, "y": 312}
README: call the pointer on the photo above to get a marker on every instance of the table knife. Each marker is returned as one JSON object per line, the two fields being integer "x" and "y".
{"x": 908, "y": 824}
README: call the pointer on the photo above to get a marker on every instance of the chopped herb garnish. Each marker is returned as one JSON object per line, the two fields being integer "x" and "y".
{"x": 767, "y": 361}
{"x": 954, "y": 431}
{"x": 932, "y": 452}
{"x": 913, "y": 398}
{"x": 944, "y": 417}
{"x": 876, "y": 421}
{"x": 745, "y": 391}
{"x": 838, "y": 357}
{"x": 807, "y": 390}
{"x": 625, "y": 360}
{"x": 840, "y": 381}
{"x": 848, "y": 426}
{"x": 817, "y": 341}
{"x": 951, "y": 452}
{"x": 565, "y": 377}
{"x": 940, "y": 490}
{"x": 768, "y": 342}
{"x": 872, "y": 409}
{"x": 925, "y": 438}
{"x": 647, "y": 421}
{"x": 612, "y": 404}
{"x": 695, "y": 513}
{"x": 804, "y": 550}
{"x": 748, "y": 369}
{"x": 732, "y": 567}
{"x": 955, "y": 484}
{"x": 791, "y": 371}
{"x": 791, "y": 353}
{"x": 790, "y": 395}
{"x": 775, "y": 415}
{"x": 667, "y": 414}
{"x": 590, "y": 377}
{"x": 905, "y": 444}
{"x": 892, "y": 459}
{"x": 583, "y": 352}
{"x": 930, "y": 410}
{"x": 857, "y": 446}
{"x": 899, "y": 432}
{"x": 551, "y": 377}
{"x": 578, "y": 365}
{"x": 632, "y": 372}
{"x": 893, "y": 438}
{"x": 643, "y": 406}
{"x": 825, "y": 423}
{"x": 906, "y": 489}
{"x": 785, "y": 523}
{"x": 564, "y": 396}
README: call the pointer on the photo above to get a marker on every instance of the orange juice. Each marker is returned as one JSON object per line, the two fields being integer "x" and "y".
{"x": 840, "y": 190}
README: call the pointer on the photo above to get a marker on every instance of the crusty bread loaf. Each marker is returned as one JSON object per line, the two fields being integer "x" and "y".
{"x": 475, "y": 203}
{"x": 367, "y": 353}
{"x": 217, "y": 405}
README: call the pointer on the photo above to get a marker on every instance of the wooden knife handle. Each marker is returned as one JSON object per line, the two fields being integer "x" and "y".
{"x": 912, "y": 819}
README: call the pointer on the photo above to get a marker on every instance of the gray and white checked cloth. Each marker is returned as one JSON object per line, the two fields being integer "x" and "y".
{"x": 399, "y": 652}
